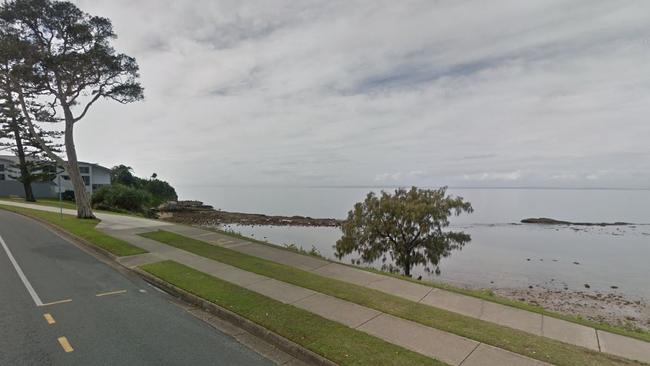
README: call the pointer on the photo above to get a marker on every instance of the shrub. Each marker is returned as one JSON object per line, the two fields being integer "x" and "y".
{"x": 120, "y": 197}
{"x": 160, "y": 190}
{"x": 68, "y": 196}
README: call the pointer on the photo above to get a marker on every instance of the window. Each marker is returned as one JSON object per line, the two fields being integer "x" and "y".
{"x": 84, "y": 170}
{"x": 2, "y": 177}
{"x": 65, "y": 177}
{"x": 86, "y": 179}
{"x": 2, "y": 167}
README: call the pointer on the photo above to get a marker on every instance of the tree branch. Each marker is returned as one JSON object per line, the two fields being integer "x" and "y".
{"x": 75, "y": 120}
{"x": 32, "y": 130}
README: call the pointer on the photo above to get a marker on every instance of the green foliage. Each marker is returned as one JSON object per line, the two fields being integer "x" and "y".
{"x": 121, "y": 197}
{"x": 67, "y": 196}
{"x": 159, "y": 190}
{"x": 407, "y": 226}
{"x": 67, "y": 63}
{"x": 72, "y": 50}
{"x": 122, "y": 174}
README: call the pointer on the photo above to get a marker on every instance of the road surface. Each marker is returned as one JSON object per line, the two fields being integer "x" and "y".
{"x": 61, "y": 306}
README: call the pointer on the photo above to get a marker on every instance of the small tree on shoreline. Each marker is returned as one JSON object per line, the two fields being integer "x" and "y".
{"x": 70, "y": 63}
{"x": 407, "y": 226}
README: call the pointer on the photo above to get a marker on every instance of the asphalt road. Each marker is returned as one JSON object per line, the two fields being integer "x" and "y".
{"x": 128, "y": 324}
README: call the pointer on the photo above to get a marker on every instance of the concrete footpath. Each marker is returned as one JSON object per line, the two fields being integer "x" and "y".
{"x": 444, "y": 346}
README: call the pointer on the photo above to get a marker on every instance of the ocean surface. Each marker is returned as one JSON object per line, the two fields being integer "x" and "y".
{"x": 502, "y": 253}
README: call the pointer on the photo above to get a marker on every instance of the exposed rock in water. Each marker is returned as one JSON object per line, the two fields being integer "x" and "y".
{"x": 196, "y": 213}
{"x": 547, "y": 221}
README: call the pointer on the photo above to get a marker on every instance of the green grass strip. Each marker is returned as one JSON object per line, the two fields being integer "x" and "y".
{"x": 84, "y": 229}
{"x": 533, "y": 346}
{"x": 334, "y": 341}
{"x": 487, "y": 295}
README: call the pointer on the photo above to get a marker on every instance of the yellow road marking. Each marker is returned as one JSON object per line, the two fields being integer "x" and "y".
{"x": 49, "y": 318}
{"x": 63, "y": 341}
{"x": 111, "y": 293}
{"x": 57, "y": 302}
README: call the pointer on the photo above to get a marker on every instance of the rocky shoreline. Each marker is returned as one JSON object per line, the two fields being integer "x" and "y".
{"x": 196, "y": 213}
{"x": 611, "y": 308}
{"x": 547, "y": 221}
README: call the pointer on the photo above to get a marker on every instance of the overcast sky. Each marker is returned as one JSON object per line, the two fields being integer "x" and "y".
{"x": 381, "y": 93}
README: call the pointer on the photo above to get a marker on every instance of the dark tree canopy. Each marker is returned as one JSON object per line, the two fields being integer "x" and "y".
{"x": 70, "y": 64}
{"x": 159, "y": 191}
{"x": 122, "y": 174}
{"x": 406, "y": 226}
{"x": 15, "y": 134}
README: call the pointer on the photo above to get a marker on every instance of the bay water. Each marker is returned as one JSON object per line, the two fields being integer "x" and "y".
{"x": 502, "y": 253}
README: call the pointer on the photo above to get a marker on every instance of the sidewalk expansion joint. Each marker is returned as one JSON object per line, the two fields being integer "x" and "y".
{"x": 256, "y": 282}
{"x": 319, "y": 267}
{"x": 425, "y": 295}
{"x": 368, "y": 321}
{"x": 469, "y": 354}
{"x": 303, "y": 298}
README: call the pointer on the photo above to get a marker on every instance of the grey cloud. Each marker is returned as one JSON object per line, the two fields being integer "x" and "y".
{"x": 541, "y": 92}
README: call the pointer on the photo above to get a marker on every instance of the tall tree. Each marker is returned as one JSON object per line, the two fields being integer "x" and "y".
{"x": 33, "y": 164}
{"x": 14, "y": 133}
{"x": 72, "y": 63}
{"x": 407, "y": 226}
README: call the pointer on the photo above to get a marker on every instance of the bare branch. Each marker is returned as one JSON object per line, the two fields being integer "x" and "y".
{"x": 75, "y": 120}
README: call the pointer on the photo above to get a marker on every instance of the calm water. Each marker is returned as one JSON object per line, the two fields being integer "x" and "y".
{"x": 500, "y": 254}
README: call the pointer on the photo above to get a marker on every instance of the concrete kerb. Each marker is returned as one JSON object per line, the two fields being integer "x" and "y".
{"x": 110, "y": 259}
{"x": 80, "y": 242}
{"x": 277, "y": 340}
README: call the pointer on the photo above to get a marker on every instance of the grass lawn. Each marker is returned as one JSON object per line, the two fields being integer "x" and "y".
{"x": 53, "y": 202}
{"x": 50, "y": 202}
{"x": 84, "y": 229}
{"x": 537, "y": 347}
{"x": 486, "y": 295}
{"x": 336, "y": 342}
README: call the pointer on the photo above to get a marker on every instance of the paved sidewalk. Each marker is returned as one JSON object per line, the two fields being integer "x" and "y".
{"x": 126, "y": 227}
{"x": 443, "y": 346}
{"x": 534, "y": 323}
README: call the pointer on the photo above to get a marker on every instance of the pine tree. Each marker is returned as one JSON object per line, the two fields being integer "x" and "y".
{"x": 14, "y": 132}
{"x": 72, "y": 64}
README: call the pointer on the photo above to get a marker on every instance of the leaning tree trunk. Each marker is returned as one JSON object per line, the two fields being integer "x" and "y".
{"x": 25, "y": 175}
{"x": 84, "y": 210}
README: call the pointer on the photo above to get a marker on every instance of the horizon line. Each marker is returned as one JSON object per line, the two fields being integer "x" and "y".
{"x": 411, "y": 185}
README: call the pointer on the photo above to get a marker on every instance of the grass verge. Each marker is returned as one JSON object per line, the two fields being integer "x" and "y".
{"x": 537, "y": 347}
{"x": 84, "y": 229}
{"x": 336, "y": 342}
{"x": 486, "y": 295}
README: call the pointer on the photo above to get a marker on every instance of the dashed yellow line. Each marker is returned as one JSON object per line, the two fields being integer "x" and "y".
{"x": 63, "y": 341}
{"x": 111, "y": 293}
{"x": 49, "y": 319}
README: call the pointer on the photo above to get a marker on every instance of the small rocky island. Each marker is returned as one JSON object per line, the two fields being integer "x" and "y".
{"x": 196, "y": 213}
{"x": 547, "y": 221}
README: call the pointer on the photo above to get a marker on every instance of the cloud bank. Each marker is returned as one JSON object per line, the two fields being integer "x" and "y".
{"x": 464, "y": 93}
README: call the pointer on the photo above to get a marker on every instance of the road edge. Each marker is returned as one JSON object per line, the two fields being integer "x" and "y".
{"x": 104, "y": 256}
